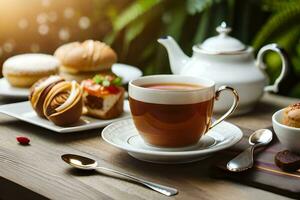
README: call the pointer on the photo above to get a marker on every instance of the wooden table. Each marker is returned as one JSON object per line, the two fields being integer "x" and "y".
{"x": 37, "y": 172}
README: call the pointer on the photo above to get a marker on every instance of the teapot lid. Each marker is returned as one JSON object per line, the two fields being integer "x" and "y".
{"x": 222, "y": 43}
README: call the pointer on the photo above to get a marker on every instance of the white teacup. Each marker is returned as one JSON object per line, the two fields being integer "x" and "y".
{"x": 174, "y": 110}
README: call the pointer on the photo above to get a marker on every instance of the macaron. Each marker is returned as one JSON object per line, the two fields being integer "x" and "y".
{"x": 25, "y": 69}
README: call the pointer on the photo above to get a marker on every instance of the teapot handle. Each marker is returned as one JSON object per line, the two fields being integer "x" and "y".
{"x": 284, "y": 69}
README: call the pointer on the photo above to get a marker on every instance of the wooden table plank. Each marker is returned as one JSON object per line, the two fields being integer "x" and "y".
{"x": 38, "y": 167}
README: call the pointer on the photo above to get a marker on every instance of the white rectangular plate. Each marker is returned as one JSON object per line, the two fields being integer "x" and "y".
{"x": 6, "y": 90}
{"x": 23, "y": 111}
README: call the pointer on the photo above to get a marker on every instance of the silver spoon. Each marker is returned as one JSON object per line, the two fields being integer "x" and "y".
{"x": 85, "y": 163}
{"x": 244, "y": 160}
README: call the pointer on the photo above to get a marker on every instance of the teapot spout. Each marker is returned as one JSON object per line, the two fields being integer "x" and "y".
{"x": 176, "y": 56}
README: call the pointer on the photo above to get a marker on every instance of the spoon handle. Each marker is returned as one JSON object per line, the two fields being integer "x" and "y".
{"x": 168, "y": 191}
{"x": 243, "y": 161}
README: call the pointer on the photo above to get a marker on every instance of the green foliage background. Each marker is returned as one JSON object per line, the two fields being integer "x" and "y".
{"x": 136, "y": 26}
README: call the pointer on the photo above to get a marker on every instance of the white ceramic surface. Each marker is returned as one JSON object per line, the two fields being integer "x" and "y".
{"x": 127, "y": 72}
{"x": 123, "y": 135}
{"x": 23, "y": 111}
{"x": 227, "y": 61}
{"x": 6, "y": 90}
{"x": 288, "y": 136}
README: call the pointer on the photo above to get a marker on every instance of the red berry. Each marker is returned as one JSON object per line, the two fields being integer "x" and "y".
{"x": 23, "y": 140}
{"x": 112, "y": 89}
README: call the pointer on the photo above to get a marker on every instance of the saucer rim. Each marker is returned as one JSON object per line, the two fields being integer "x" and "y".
{"x": 232, "y": 141}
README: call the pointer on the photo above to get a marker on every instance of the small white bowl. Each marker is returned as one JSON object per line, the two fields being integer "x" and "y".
{"x": 288, "y": 136}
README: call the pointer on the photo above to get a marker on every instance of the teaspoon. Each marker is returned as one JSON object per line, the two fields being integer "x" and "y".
{"x": 244, "y": 160}
{"x": 85, "y": 163}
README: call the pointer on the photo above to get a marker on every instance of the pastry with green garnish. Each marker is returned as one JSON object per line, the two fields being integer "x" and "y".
{"x": 103, "y": 96}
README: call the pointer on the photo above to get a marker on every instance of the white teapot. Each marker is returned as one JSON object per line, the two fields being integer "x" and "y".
{"x": 227, "y": 61}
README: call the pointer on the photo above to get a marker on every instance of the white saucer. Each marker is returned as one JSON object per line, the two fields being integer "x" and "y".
{"x": 123, "y": 135}
{"x": 6, "y": 90}
{"x": 127, "y": 72}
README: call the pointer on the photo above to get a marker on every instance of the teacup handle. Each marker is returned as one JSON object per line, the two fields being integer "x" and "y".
{"x": 232, "y": 108}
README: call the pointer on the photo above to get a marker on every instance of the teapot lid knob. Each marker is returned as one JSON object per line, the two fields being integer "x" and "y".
{"x": 223, "y": 29}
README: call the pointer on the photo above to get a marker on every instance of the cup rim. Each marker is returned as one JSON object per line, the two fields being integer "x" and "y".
{"x": 211, "y": 83}
{"x": 276, "y": 122}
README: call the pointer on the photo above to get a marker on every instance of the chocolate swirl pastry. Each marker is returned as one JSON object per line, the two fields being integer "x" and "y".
{"x": 39, "y": 91}
{"x": 291, "y": 115}
{"x": 58, "y": 100}
{"x": 63, "y": 103}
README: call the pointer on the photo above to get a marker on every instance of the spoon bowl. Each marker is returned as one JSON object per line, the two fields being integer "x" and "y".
{"x": 80, "y": 162}
{"x": 261, "y": 136}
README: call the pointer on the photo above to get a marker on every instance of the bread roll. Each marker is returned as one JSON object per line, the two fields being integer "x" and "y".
{"x": 87, "y": 56}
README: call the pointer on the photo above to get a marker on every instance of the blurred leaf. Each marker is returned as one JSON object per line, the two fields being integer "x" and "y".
{"x": 298, "y": 48}
{"x": 231, "y": 7}
{"x": 133, "y": 12}
{"x": 278, "y": 23}
{"x": 273, "y": 63}
{"x": 132, "y": 32}
{"x": 177, "y": 16}
{"x": 112, "y": 12}
{"x": 296, "y": 64}
{"x": 277, "y": 5}
{"x": 202, "y": 29}
{"x": 289, "y": 38}
{"x": 148, "y": 52}
{"x": 197, "y": 6}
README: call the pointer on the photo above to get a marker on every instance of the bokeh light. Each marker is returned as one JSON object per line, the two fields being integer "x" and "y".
{"x": 41, "y": 18}
{"x": 69, "y": 13}
{"x": 43, "y": 29}
{"x": 8, "y": 46}
{"x": 46, "y": 3}
{"x": 64, "y": 34}
{"x": 84, "y": 22}
{"x": 52, "y": 16}
{"x": 23, "y": 23}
